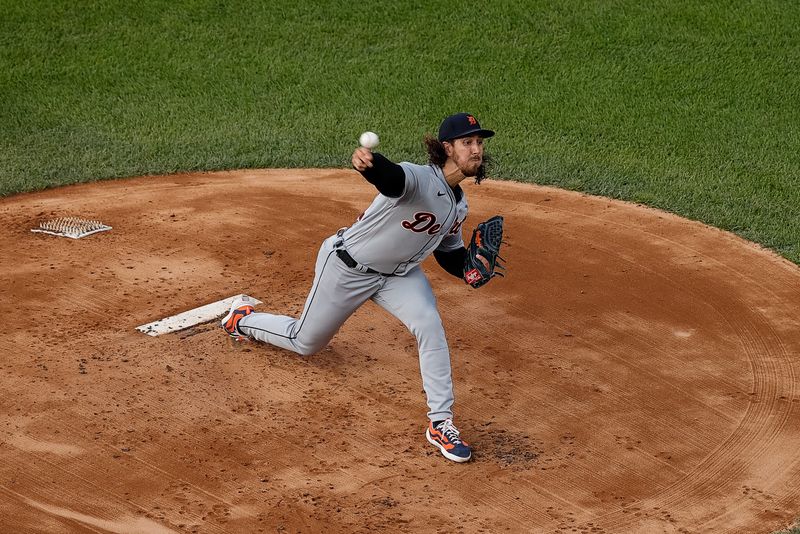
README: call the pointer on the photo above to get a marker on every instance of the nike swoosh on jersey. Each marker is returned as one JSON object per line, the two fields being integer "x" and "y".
{"x": 440, "y": 194}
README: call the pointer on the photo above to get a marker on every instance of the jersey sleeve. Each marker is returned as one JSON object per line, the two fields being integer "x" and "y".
{"x": 451, "y": 242}
{"x": 412, "y": 180}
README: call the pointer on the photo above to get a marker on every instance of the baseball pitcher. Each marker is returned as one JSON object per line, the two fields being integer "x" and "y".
{"x": 418, "y": 211}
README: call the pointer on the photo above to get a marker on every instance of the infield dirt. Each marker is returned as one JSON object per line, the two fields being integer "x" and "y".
{"x": 634, "y": 372}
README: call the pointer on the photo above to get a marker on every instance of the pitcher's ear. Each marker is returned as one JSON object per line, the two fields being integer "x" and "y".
{"x": 448, "y": 148}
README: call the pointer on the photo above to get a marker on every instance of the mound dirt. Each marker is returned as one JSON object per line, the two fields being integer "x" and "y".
{"x": 634, "y": 372}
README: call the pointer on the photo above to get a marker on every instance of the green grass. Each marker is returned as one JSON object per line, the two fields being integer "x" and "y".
{"x": 688, "y": 106}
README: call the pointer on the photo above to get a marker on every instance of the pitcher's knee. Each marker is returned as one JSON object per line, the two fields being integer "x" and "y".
{"x": 429, "y": 327}
{"x": 309, "y": 348}
{"x": 428, "y": 318}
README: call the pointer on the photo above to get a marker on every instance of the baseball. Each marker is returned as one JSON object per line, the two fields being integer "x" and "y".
{"x": 369, "y": 140}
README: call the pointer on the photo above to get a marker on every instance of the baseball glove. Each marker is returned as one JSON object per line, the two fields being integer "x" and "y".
{"x": 485, "y": 242}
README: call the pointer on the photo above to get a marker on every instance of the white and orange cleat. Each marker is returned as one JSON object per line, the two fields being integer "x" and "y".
{"x": 241, "y": 307}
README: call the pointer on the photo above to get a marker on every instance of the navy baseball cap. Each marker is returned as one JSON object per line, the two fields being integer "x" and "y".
{"x": 461, "y": 125}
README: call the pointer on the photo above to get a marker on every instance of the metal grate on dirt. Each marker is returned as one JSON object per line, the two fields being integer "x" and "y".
{"x": 72, "y": 227}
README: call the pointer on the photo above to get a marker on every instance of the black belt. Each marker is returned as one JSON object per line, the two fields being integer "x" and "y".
{"x": 348, "y": 260}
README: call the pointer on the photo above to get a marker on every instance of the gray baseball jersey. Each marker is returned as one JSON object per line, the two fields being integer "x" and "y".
{"x": 387, "y": 243}
{"x": 395, "y": 234}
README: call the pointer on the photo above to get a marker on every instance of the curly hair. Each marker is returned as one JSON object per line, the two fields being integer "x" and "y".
{"x": 437, "y": 156}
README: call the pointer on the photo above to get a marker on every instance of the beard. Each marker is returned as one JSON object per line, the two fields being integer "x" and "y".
{"x": 469, "y": 166}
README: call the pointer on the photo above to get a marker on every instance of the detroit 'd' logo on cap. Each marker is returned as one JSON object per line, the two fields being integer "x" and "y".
{"x": 472, "y": 120}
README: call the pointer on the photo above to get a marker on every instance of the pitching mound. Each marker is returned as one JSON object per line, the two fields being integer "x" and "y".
{"x": 635, "y": 372}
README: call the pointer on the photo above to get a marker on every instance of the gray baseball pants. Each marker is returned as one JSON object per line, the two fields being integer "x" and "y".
{"x": 337, "y": 292}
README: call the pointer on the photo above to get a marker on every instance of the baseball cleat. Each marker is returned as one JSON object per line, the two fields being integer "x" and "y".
{"x": 241, "y": 307}
{"x": 445, "y": 436}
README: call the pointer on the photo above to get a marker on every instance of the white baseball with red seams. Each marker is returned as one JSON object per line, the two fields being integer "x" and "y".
{"x": 393, "y": 236}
